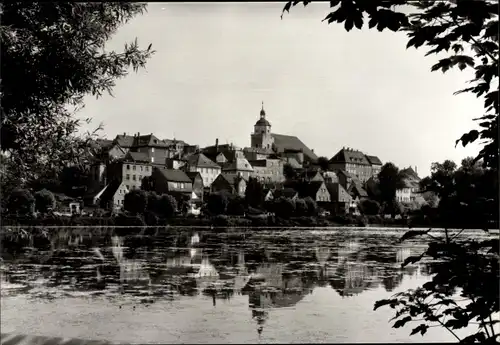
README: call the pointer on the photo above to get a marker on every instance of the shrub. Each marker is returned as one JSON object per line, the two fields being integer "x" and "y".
{"x": 44, "y": 201}
{"x": 217, "y": 203}
{"x": 135, "y": 202}
{"x": 369, "y": 207}
{"x": 21, "y": 202}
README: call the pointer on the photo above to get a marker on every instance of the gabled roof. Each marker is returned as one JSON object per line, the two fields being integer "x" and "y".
{"x": 335, "y": 189}
{"x": 238, "y": 164}
{"x": 110, "y": 191}
{"x": 308, "y": 174}
{"x": 343, "y": 172}
{"x": 283, "y": 142}
{"x": 125, "y": 141}
{"x": 139, "y": 157}
{"x": 358, "y": 190}
{"x": 232, "y": 178}
{"x": 104, "y": 143}
{"x": 409, "y": 172}
{"x": 373, "y": 160}
{"x": 173, "y": 175}
{"x": 176, "y": 141}
{"x": 199, "y": 160}
{"x": 310, "y": 188}
{"x": 192, "y": 175}
{"x": 350, "y": 156}
{"x": 293, "y": 162}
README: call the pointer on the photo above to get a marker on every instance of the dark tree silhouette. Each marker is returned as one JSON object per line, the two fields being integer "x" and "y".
{"x": 56, "y": 49}
{"x": 44, "y": 201}
{"x": 323, "y": 163}
{"x": 135, "y": 202}
{"x": 254, "y": 193}
{"x": 289, "y": 172}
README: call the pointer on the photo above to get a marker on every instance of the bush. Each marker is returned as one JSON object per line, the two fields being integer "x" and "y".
{"x": 284, "y": 207}
{"x": 217, "y": 203}
{"x": 369, "y": 207}
{"x": 312, "y": 206}
{"x": 44, "y": 201}
{"x": 301, "y": 208}
{"x": 135, "y": 202}
{"x": 21, "y": 202}
{"x": 151, "y": 218}
{"x": 236, "y": 206}
{"x": 167, "y": 206}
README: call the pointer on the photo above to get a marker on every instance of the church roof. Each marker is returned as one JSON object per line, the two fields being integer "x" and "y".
{"x": 290, "y": 142}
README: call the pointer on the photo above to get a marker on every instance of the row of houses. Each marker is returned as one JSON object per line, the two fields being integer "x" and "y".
{"x": 175, "y": 167}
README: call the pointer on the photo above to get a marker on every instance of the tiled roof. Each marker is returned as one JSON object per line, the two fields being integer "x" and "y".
{"x": 136, "y": 157}
{"x": 192, "y": 175}
{"x": 104, "y": 143}
{"x": 358, "y": 189}
{"x": 310, "y": 188}
{"x": 410, "y": 173}
{"x": 342, "y": 171}
{"x": 293, "y": 162}
{"x": 110, "y": 191}
{"x": 232, "y": 178}
{"x": 201, "y": 161}
{"x": 373, "y": 160}
{"x": 149, "y": 140}
{"x": 282, "y": 142}
{"x": 350, "y": 156}
{"x": 177, "y": 141}
{"x": 126, "y": 141}
{"x": 174, "y": 175}
{"x": 238, "y": 164}
{"x": 335, "y": 189}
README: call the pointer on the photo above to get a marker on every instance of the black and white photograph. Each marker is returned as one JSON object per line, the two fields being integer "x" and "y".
{"x": 249, "y": 172}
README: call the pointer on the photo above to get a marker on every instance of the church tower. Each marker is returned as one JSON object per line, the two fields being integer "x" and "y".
{"x": 261, "y": 136}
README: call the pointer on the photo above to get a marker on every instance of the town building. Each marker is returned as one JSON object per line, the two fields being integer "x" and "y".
{"x": 208, "y": 169}
{"x": 263, "y": 140}
{"x": 230, "y": 183}
{"x": 268, "y": 170}
{"x": 340, "y": 198}
{"x": 356, "y": 163}
{"x": 112, "y": 196}
{"x": 198, "y": 187}
{"x": 173, "y": 182}
{"x": 238, "y": 164}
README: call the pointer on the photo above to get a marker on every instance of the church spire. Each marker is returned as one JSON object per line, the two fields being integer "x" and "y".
{"x": 262, "y": 112}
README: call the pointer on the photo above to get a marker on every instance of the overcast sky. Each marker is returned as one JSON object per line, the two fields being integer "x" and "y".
{"x": 216, "y": 62}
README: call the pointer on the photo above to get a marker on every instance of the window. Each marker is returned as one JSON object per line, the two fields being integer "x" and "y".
{"x": 133, "y": 167}
{"x": 127, "y": 177}
{"x": 133, "y": 177}
{"x": 128, "y": 167}
{"x": 128, "y": 187}
{"x": 133, "y": 187}
{"x": 152, "y": 150}
{"x": 142, "y": 168}
{"x": 147, "y": 168}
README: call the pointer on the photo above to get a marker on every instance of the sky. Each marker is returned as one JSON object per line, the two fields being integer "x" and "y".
{"x": 215, "y": 63}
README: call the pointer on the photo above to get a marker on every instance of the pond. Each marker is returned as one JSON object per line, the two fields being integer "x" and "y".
{"x": 193, "y": 286}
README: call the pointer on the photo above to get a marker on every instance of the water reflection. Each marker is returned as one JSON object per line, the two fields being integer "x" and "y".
{"x": 275, "y": 270}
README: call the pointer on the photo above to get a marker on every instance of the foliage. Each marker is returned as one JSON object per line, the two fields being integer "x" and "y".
{"x": 147, "y": 183}
{"x": 284, "y": 207}
{"x": 217, "y": 203}
{"x": 323, "y": 163}
{"x": 57, "y": 50}
{"x": 312, "y": 207}
{"x": 466, "y": 31}
{"x": 254, "y": 193}
{"x": 289, "y": 172}
{"x": 73, "y": 180}
{"x": 301, "y": 208}
{"x": 236, "y": 206}
{"x": 44, "y": 201}
{"x": 389, "y": 180}
{"x": 152, "y": 202}
{"x": 471, "y": 270}
{"x": 167, "y": 206}
{"x": 20, "y": 202}
{"x": 135, "y": 201}
{"x": 468, "y": 195}
{"x": 370, "y": 207}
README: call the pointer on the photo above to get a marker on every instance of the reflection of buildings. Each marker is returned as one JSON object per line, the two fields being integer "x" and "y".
{"x": 353, "y": 278}
{"x": 269, "y": 288}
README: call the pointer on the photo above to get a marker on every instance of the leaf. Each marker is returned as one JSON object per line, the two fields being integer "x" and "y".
{"x": 402, "y": 322}
{"x": 412, "y": 259}
{"x": 422, "y": 328}
{"x": 384, "y": 302}
{"x": 413, "y": 233}
{"x": 349, "y": 23}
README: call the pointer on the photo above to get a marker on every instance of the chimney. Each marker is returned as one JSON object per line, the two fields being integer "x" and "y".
{"x": 124, "y": 133}
{"x": 216, "y": 143}
{"x": 416, "y": 169}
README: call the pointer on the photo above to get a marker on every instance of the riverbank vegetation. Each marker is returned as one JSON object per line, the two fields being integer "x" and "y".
{"x": 464, "y": 289}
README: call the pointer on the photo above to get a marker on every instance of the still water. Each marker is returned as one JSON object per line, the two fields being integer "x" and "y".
{"x": 191, "y": 286}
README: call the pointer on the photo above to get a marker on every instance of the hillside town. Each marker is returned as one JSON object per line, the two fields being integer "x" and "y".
{"x": 283, "y": 164}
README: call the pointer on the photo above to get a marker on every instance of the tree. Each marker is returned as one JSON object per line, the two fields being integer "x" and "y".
{"x": 289, "y": 172}
{"x": 284, "y": 207}
{"x": 135, "y": 201}
{"x": 323, "y": 163}
{"x": 153, "y": 202}
{"x": 167, "y": 206}
{"x": 469, "y": 28}
{"x": 236, "y": 206}
{"x": 389, "y": 180}
{"x": 44, "y": 201}
{"x": 217, "y": 203}
{"x": 301, "y": 208}
{"x": 254, "y": 193}
{"x": 312, "y": 206}
{"x": 20, "y": 202}
{"x": 370, "y": 207}
{"x": 57, "y": 50}
{"x": 147, "y": 183}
